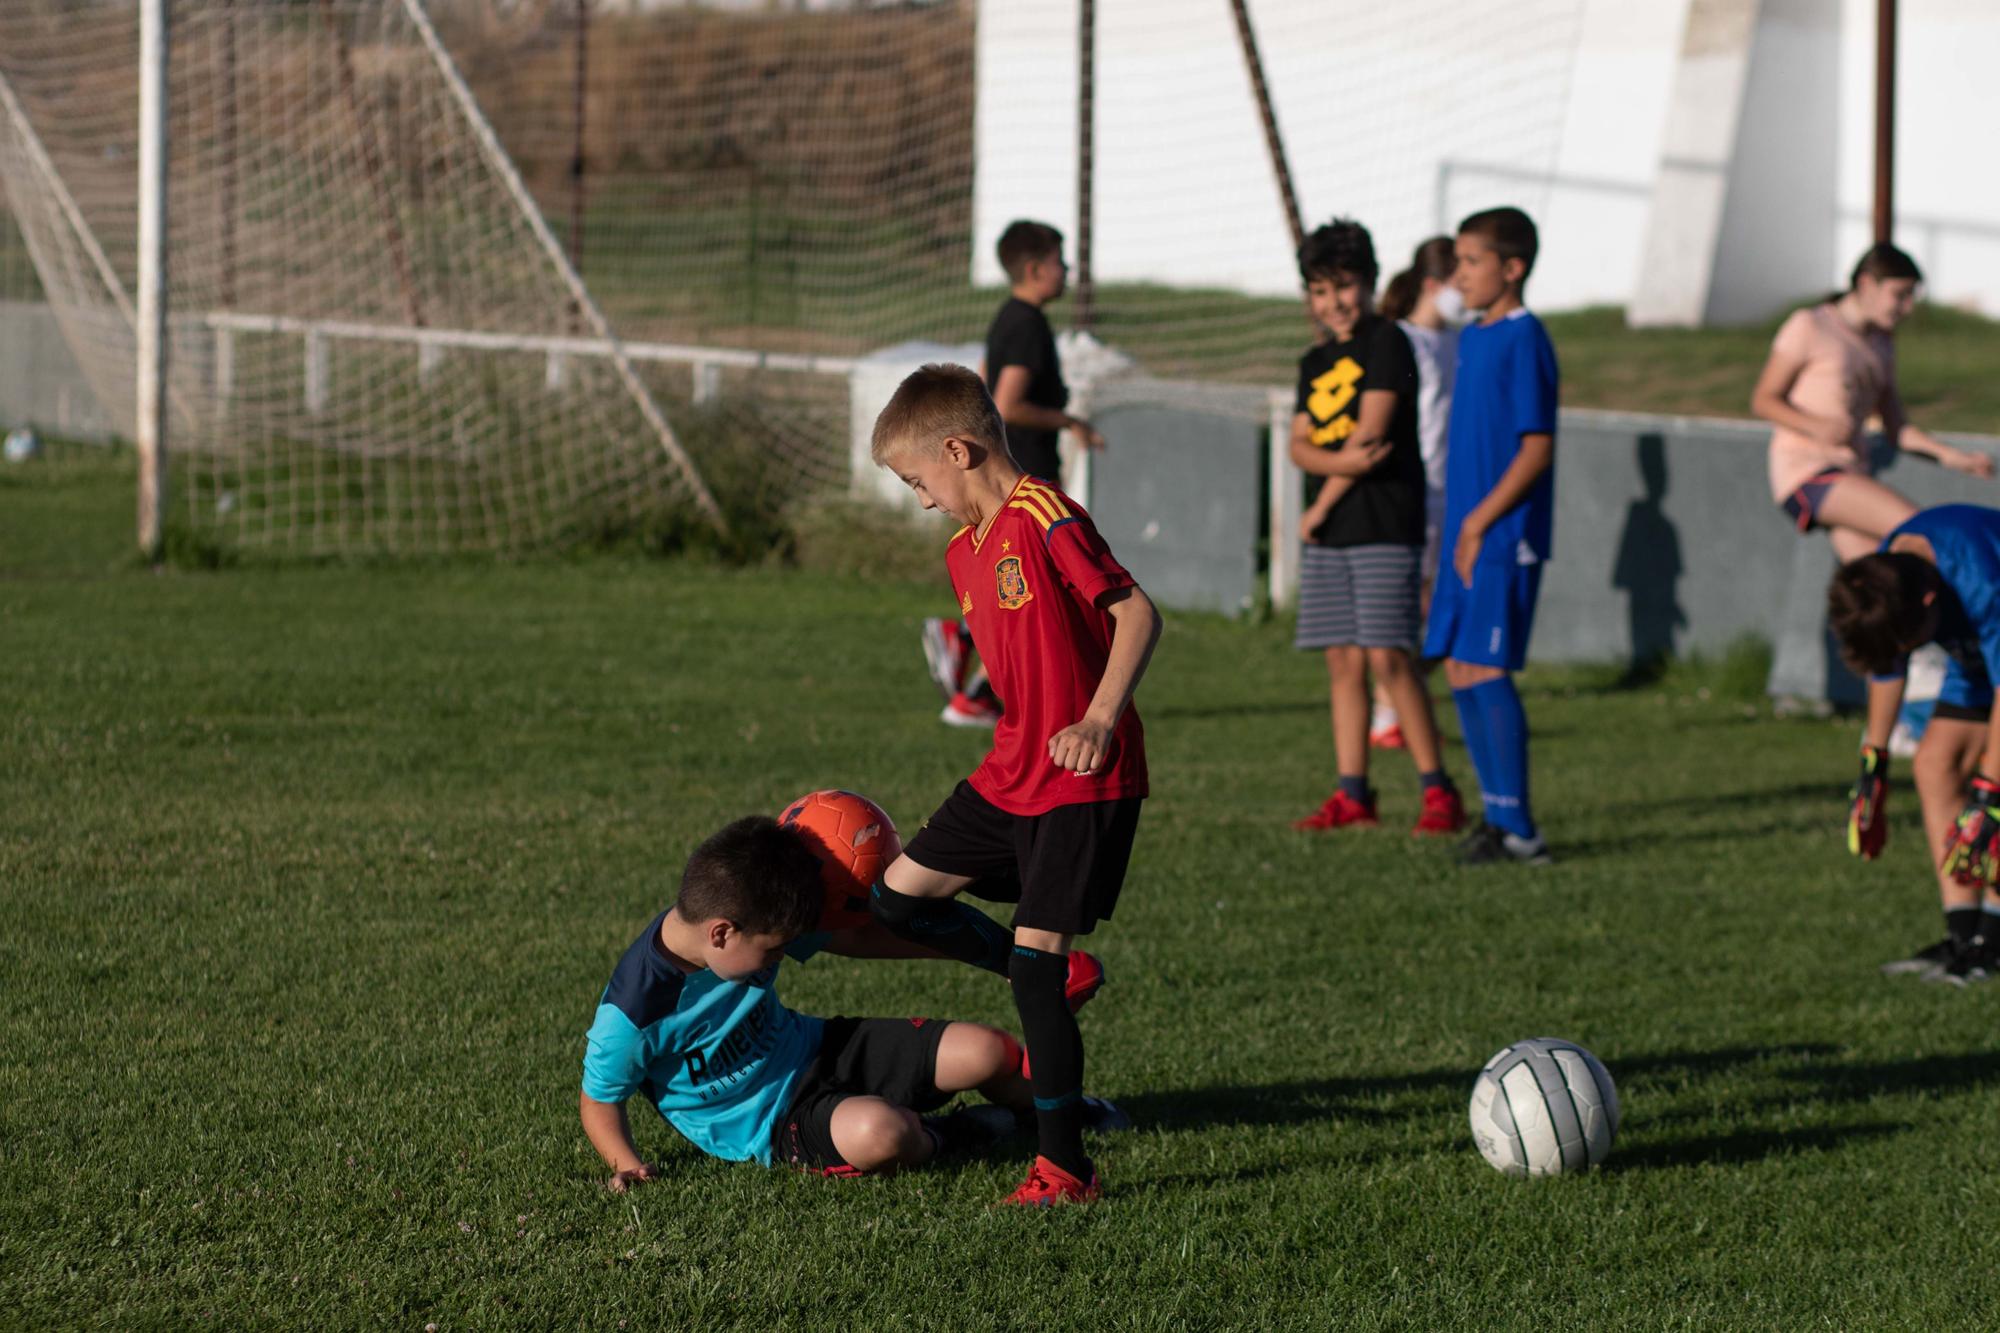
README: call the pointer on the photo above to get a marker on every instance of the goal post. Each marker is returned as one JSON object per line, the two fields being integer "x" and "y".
{"x": 303, "y": 243}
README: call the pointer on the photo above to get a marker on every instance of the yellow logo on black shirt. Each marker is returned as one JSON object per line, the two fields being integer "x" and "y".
{"x": 1011, "y": 585}
{"x": 1332, "y": 392}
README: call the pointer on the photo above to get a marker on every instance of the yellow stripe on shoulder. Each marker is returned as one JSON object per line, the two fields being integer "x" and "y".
{"x": 1035, "y": 511}
{"x": 1049, "y": 496}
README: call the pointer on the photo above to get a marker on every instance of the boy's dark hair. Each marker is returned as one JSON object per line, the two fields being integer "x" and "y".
{"x": 1023, "y": 243}
{"x": 760, "y": 877}
{"x": 931, "y": 403}
{"x": 1435, "y": 259}
{"x": 1884, "y": 260}
{"x": 1875, "y": 607}
{"x": 1510, "y": 232}
{"x": 1342, "y": 247}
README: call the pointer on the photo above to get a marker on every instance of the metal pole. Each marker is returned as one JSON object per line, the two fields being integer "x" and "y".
{"x": 226, "y": 204}
{"x": 1885, "y": 119}
{"x": 576, "y": 158}
{"x": 150, "y": 328}
{"x": 1273, "y": 144}
{"x": 1086, "y": 117}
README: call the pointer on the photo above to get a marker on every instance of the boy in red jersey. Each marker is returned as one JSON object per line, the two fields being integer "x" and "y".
{"x": 1047, "y": 820}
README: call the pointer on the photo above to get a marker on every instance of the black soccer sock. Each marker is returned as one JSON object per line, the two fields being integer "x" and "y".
{"x": 1435, "y": 778}
{"x": 1055, "y": 1056}
{"x": 944, "y": 924}
{"x": 1355, "y": 788}
{"x": 1962, "y": 923}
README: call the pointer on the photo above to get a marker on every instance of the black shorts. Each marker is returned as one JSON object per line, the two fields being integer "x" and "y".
{"x": 1945, "y": 712}
{"x": 1802, "y": 505}
{"x": 1062, "y": 868}
{"x": 891, "y": 1058}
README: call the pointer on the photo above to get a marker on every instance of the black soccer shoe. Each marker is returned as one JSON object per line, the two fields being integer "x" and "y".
{"x": 1923, "y": 960}
{"x": 1971, "y": 964}
{"x": 1104, "y": 1116}
{"x": 1493, "y": 845}
{"x": 971, "y": 1129}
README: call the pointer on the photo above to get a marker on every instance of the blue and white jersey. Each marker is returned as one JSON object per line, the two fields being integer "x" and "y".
{"x": 718, "y": 1058}
{"x": 1505, "y": 388}
{"x": 1966, "y": 540}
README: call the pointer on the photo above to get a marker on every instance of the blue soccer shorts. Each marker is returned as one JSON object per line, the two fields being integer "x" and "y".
{"x": 1488, "y": 623}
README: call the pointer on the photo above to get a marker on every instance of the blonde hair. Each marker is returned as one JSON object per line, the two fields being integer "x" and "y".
{"x": 934, "y": 402}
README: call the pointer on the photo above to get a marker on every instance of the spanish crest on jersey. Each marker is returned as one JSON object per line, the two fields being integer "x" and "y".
{"x": 1010, "y": 585}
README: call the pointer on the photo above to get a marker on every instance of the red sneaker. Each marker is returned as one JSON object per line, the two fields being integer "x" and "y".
{"x": 1048, "y": 1185}
{"x": 1443, "y": 812}
{"x": 1340, "y": 811}
{"x": 1388, "y": 738}
{"x": 966, "y": 711}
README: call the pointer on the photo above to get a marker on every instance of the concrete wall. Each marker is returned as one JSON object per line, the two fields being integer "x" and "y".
{"x": 1666, "y": 541}
{"x": 1409, "y": 116}
{"x": 40, "y": 383}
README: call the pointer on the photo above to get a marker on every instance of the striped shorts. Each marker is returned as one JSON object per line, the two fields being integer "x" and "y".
{"x": 1359, "y": 596}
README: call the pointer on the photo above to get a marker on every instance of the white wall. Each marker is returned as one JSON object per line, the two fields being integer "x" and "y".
{"x": 1408, "y": 116}
{"x": 1405, "y": 116}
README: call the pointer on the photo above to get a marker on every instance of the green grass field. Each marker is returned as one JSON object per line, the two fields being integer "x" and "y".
{"x": 310, "y": 878}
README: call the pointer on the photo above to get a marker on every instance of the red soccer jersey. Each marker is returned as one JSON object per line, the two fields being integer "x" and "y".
{"x": 1029, "y": 590}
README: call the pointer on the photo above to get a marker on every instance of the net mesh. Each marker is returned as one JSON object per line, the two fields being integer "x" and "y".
{"x": 367, "y": 341}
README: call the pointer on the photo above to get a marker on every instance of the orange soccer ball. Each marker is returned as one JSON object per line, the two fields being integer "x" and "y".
{"x": 855, "y": 842}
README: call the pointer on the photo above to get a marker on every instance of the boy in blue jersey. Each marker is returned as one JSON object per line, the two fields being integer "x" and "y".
{"x": 691, "y": 1021}
{"x": 1936, "y": 579}
{"x": 1499, "y": 506}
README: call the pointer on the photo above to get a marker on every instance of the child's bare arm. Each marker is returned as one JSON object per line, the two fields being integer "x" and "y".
{"x": 1010, "y": 395}
{"x": 1537, "y": 453}
{"x": 1767, "y": 400}
{"x": 611, "y": 1134}
{"x": 1083, "y": 746}
{"x": 1914, "y": 439}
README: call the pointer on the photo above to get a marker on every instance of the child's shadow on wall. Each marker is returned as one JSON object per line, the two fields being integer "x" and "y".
{"x": 1648, "y": 568}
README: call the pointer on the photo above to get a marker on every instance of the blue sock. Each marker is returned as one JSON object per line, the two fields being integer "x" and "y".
{"x": 1356, "y": 789}
{"x": 1472, "y": 720}
{"x": 1505, "y": 788}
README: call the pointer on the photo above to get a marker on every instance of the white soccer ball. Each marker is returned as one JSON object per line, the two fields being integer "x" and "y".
{"x": 1542, "y": 1107}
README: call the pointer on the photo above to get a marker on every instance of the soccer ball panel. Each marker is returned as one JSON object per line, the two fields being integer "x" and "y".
{"x": 1541, "y": 1107}
{"x": 855, "y": 841}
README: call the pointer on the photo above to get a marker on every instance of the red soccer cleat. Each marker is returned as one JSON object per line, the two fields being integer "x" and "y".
{"x": 1340, "y": 811}
{"x": 944, "y": 654}
{"x": 1048, "y": 1185}
{"x": 1388, "y": 738}
{"x": 1086, "y": 978}
{"x": 966, "y": 710}
{"x": 1443, "y": 812}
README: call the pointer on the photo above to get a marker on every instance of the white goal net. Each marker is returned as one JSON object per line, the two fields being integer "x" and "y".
{"x": 373, "y": 342}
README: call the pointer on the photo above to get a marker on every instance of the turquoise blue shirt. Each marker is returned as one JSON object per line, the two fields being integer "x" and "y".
{"x": 719, "y": 1059}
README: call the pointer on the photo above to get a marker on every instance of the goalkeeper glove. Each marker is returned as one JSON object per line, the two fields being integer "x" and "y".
{"x": 1868, "y": 816}
{"x": 1970, "y": 859}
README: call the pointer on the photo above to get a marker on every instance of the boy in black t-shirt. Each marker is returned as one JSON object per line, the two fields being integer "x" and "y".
{"x": 1024, "y": 375}
{"x": 1354, "y": 434}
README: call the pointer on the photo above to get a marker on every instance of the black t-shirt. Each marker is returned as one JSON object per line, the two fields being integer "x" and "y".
{"x": 1386, "y": 505}
{"x": 1020, "y": 336}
